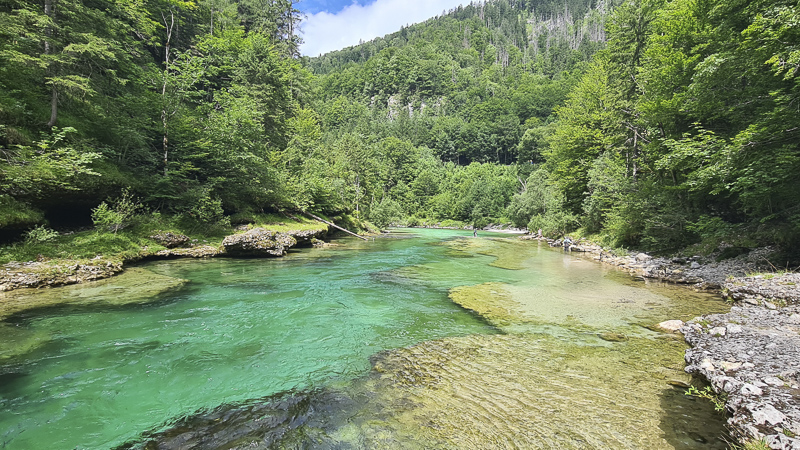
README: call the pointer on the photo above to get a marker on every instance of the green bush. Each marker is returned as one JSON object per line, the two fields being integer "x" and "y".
{"x": 116, "y": 214}
{"x": 385, "y": 213}
{"x": 452, "y": 224}
{"x": 40, "y": 234}
{"x": 553, "y": 223}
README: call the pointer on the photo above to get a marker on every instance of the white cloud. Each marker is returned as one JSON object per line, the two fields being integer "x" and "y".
{"x": 325, "y": 32}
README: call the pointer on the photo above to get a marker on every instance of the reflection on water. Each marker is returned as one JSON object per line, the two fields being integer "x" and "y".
{"x": 276, "y": 353}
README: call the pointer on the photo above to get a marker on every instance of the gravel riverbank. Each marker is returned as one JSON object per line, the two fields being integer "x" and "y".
{"x": 751, "y": 355}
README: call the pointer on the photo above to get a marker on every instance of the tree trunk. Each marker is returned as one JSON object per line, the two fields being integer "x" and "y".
{"x": 53, "y": 107}
{"x": 164, "y": 112}
{"x": 48, "y": 49}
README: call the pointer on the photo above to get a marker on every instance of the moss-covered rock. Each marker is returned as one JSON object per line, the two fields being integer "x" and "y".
{"x": 135, "y": 285}
{"x": 55, "y": 273}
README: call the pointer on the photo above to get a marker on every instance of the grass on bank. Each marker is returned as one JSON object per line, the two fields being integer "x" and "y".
{"x": 132, "y": 239}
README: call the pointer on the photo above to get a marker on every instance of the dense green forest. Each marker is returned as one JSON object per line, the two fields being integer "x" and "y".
{"x": 648, "y": 123}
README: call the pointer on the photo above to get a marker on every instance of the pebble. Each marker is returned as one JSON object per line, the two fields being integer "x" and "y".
{"x": 773, "y": 381}
{"x": 733, "y": 328}
{"x": 671, "y": 325}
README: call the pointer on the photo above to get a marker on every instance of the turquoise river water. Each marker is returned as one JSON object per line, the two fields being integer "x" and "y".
{"x": 426, "y": 339}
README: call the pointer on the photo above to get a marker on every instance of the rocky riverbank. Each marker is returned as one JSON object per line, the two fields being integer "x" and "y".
{"x": 702, "y": 273}
{"x": 256, "y": 242}
{"x": 751, "y": 355}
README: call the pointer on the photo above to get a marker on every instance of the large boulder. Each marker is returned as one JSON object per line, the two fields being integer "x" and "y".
{"x": 170, "y": 240}
{"x": 258, "y": 242}
{"x": 305, "y": 238}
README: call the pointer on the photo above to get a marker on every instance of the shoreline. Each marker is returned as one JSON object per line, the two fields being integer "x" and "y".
{"x": 255, "y": 242}
{"x": 750, "y": 356}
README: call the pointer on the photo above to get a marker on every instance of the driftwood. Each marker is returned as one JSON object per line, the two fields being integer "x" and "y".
{"x": 333, "y": 225}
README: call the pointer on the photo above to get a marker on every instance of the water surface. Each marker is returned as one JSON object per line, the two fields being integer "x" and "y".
{"x": 435, "y": 341}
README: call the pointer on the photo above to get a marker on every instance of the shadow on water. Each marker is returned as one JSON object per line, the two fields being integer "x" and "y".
{"x": 9, "y": 380}
{"x": 689, "y": 422}
{"x": 426, "y": 397}
{"x": 286, "y": 420}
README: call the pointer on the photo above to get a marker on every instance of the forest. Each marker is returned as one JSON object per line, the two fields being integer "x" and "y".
{"x": 652, "y": 124}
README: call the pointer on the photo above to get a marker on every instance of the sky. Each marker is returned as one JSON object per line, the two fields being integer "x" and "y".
{"x": 335, "y": 24}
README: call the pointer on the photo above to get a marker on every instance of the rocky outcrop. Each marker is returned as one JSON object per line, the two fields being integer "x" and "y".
{"x": 202, "y": 251}
{"x": 258, "y": 242}
{"x": 750, "y": 356}
{"x": 171, "y": 240}
{"x": 306, "y": 238}
{"x": 53, "y": 273}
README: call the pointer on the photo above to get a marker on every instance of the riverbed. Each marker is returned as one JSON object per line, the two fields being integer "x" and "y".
{"x": 422, "y": 339}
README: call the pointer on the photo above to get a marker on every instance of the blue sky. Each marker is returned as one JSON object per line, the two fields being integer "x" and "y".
{"x": 335, "y": 24}
{"x": 331, "y": 6}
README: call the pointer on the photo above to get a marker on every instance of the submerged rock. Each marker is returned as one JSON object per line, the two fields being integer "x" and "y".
{"x": 285, "y": 420}
{"x": 613, "y": 337}
{"x": 135, "y": 285}
{"x": 49, "y": 273}
{"x": 491, "y": 301}
{"x": 16, "y": 341}
{"x": 258, "y": 242}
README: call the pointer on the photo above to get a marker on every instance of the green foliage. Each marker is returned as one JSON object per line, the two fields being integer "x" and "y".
{"x": 541, "y": 206}
{"x": 760, "y": 444}
{"x": 40, "y": 234}
{"x": 47, "y": 167}
{"x": 651, "y": 124}
{"x": 116, "y": 214}
{"x": 16, "y": 214}
{"x": 718, "y": 400}
{"x": 206, "y": 211}
{"x": 128, "y": 243}
{"x": 385, "y": 213}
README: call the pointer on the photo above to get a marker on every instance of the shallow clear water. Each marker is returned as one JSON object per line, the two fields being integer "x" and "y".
{"x": 96, "y": 375}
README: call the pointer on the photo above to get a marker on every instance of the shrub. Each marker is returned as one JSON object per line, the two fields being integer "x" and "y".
{"x": 385, "y": 213}
{"x": 40, "y": 234}
{"x": 117, "y": 213}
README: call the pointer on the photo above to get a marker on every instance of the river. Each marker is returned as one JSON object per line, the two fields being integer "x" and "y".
{"x": 425, "y": 339}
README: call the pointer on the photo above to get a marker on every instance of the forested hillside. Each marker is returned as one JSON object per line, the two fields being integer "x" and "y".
{"x": 186, "y": 104}
{"x": 682, "y": 128}
{"x": 654, "y": 124}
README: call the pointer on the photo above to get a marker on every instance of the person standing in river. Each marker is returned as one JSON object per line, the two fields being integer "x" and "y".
{"x": 474, "y": 231}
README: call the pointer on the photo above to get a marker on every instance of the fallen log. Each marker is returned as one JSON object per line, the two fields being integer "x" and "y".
{"x": 333, "y": 225}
